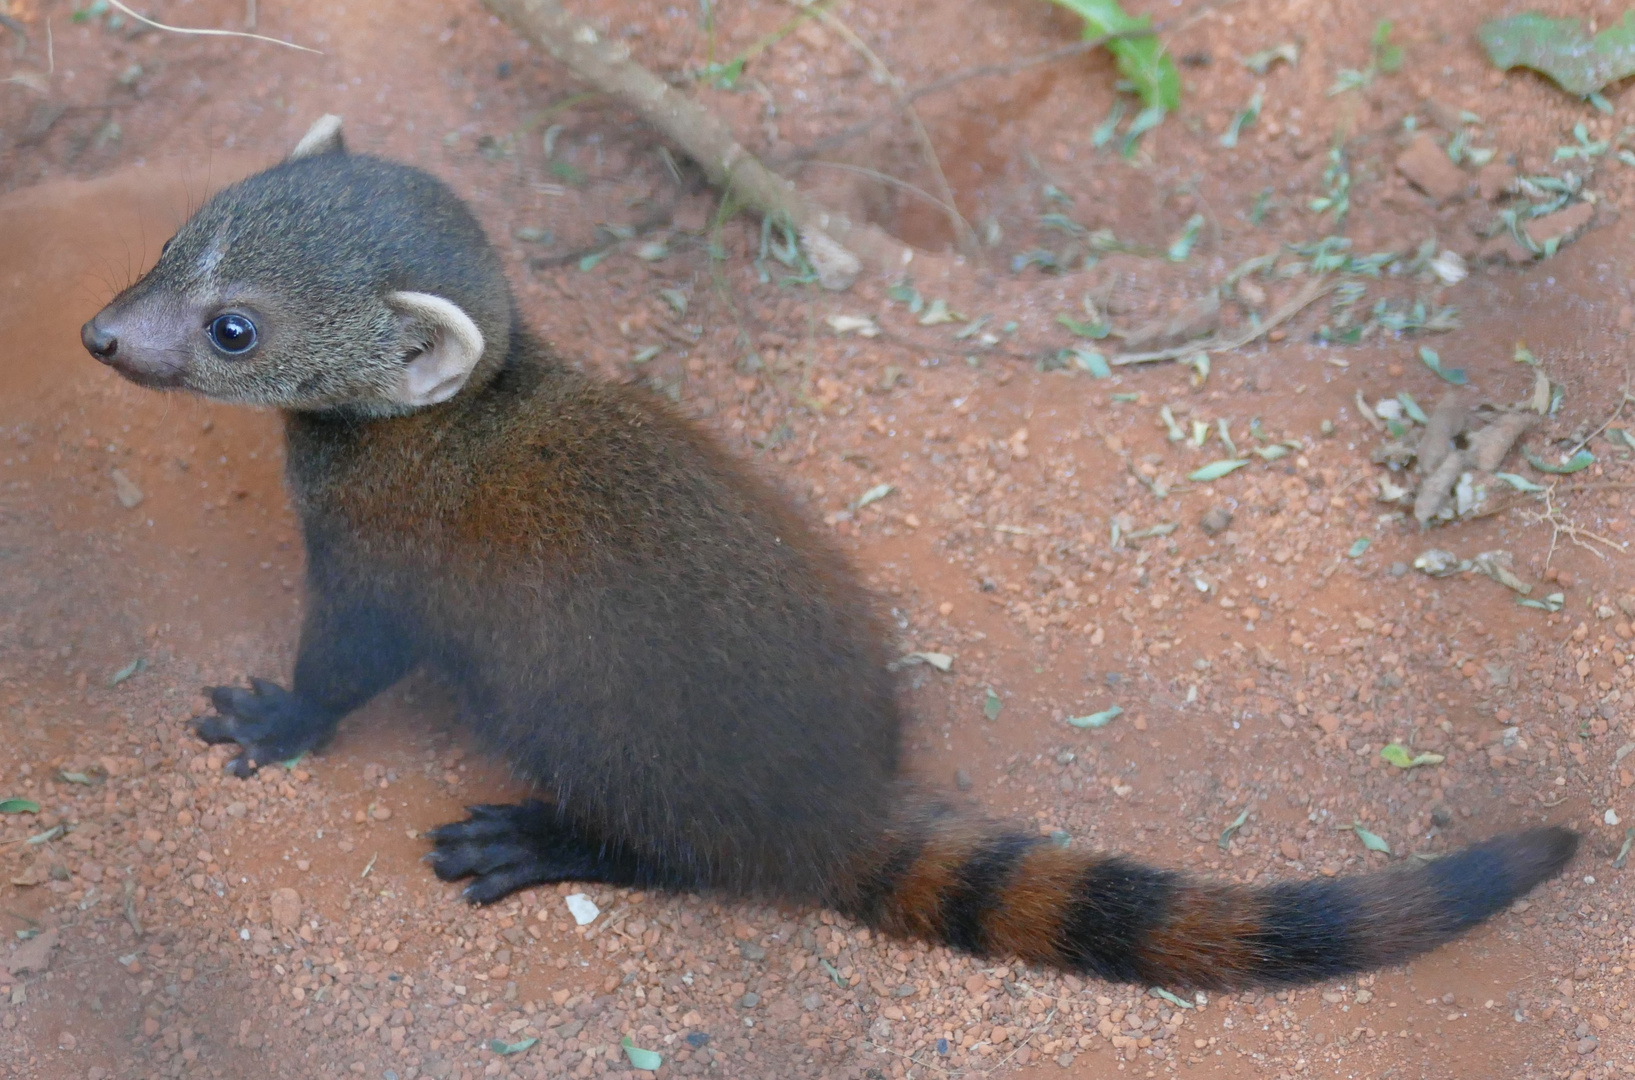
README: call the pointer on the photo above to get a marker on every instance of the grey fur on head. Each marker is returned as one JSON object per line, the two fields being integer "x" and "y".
{"x": 371, "y": 287}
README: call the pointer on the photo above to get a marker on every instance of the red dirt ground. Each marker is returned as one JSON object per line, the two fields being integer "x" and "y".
{"x": 1271, "y": 686}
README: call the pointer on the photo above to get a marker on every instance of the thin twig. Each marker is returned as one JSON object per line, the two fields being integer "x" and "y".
{"x": 209, "y": 33}
{"x": 887, "y": 178}
{"x": 1622, "y": 401}
{"x": 1007, "y": 67}
{"x": 705, "y": 137}
{"x": 1301, "y": 300}
{"x": 963, "y": 233}
{"x": 1560, "y": 527}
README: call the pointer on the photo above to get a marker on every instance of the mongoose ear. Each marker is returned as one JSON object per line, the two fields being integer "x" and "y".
{"x": 323, "y": 137}
{"x": 450, "y": 347}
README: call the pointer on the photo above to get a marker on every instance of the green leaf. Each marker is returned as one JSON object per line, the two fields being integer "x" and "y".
{"x": 1097, "y": 719}
{"x": 1358, "y": 546}
{"x": 588, "y": 263}
{"x": 1397, "y": 755}
{"x": 499, "y": 1046}
{"x": 1093, "y": 331}
{"x": 1552, "y": 603}
{"x": 1411, "y": 407}
{"x": 1370, "y": 841}
{"x": 1577, "y": 463}
{"x": 19, "y": 806}
{"x": 1563, "y": 49}
{"x": 1520, "y": 483}
{"x": 639, "y": 1058}
{"x": 1217, "y": 469}
{"x": 939, "y": 660}
{"x": 1248, "y": 115}
{"x": 1182, "y": 247}
{"x": 991, "y": 705}
{"x": 1237, "y": 823}
{"x": 1142, "y": 60}
{"x": 75, "y": 778}
{"x": 873, "y": 495}
{"x": 127, "y": 671}
{"x": 1093, "y": 362}
{"x": 1174, "y": 999}
{"x": 1456, "y": 376}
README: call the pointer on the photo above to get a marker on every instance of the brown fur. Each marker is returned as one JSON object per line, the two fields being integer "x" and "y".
{"x": 637, "y": 625}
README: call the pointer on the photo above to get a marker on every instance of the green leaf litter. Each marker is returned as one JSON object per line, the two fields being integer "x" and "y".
{"x": 1563, "y": 49}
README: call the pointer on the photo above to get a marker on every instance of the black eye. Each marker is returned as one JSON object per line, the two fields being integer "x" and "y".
{"x": 164, "y": 247}
{"x": 232, "y": 334}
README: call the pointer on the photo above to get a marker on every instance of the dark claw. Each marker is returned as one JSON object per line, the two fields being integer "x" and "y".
{"x": 268, "y": 722}
{"x": 506, "y": 848}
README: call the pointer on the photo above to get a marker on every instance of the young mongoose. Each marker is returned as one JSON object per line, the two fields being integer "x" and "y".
{"x": 639, "y": 627}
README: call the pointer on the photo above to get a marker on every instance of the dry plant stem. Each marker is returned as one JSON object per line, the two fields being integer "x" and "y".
{"x": 1008, "y": 67}
{"x": 1617, "y": 412}
{"x": 962, "y": 229}
{"x": 1301, "y": 300}
{"x": 607, "y": 66}
{"x": 1560, "y": 527}
{"x": 208, "y": 33}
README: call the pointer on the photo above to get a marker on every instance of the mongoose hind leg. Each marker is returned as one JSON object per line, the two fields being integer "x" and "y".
{"x": 513, "y": 846}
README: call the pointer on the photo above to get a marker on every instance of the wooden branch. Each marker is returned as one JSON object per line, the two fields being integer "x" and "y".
{"x": 835, "y": 246}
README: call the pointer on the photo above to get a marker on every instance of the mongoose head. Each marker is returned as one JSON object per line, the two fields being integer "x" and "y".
{"x": 330, "y": 282}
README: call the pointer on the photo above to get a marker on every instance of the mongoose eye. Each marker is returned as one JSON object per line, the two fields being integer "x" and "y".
{"x": 232, "y": 334}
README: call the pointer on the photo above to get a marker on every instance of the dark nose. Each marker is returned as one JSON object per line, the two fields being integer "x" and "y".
{"x": 98, "y": 341}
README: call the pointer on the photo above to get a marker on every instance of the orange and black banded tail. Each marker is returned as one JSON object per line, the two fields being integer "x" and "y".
{"x": 986, "y": 890}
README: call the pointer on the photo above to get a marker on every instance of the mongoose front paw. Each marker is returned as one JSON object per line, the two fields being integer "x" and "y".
{"x": 268, "y": 722}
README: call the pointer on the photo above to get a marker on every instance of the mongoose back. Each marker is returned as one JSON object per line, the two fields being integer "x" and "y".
{"x": 689, "y": 676}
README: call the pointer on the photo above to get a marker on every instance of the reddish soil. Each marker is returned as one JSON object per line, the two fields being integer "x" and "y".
{"x": 1260, "y": 668}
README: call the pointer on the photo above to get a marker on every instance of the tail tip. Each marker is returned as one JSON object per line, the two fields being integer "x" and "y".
{"x": 1537, "y": 855}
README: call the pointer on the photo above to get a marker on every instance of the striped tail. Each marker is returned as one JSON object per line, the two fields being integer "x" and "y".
{"x": 984, "y": 889}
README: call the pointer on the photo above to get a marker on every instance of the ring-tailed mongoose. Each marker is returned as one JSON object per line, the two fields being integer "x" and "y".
{"x": 688, "y": 675}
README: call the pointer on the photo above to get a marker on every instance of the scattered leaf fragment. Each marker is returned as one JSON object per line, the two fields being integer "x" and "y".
{"x": 19, "y": 806}
{"x": 938, "y": 660}
{"x": 1262, "y": 61}
{"x": 1237, "y": 823}
{"x": 1578, "y": 462}
{"x": 1435, "y": 562}
{"x": 1092, "y": 362}
{"x": 500, "y": 1046}
{"x": 1520, "y": 483}
{"x": 1096, "y": 719}
{"x": 639, "y": 1058}
{"x": 1174, "y": 999}
{"x": 1371, "y": 841}
{"x": 1411, "y": 407}
{"x": 1217, "y": 469}
{"x": 861, "y": 324}
{"x": 128, "y": 670}
{"x": 1562, "y": 49}
{"x": 833, "y": 972}
{"x": 1181, "y": 248}
{"x": 1144, "y": 61}
{"x": 75, "y": 778}
{"x": 873, "y": 495}
{"x": 937, "y": 313}
{"x": 1433, "y": 360}
{"x": 1358, "y": 546}
{"x": 991, "y": 704}
{"x": 1397, "y": 755}
{"x": 1497, "y": 565}
{"x": 1552, "y": 603}
{"x": 1623, "y": 852}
